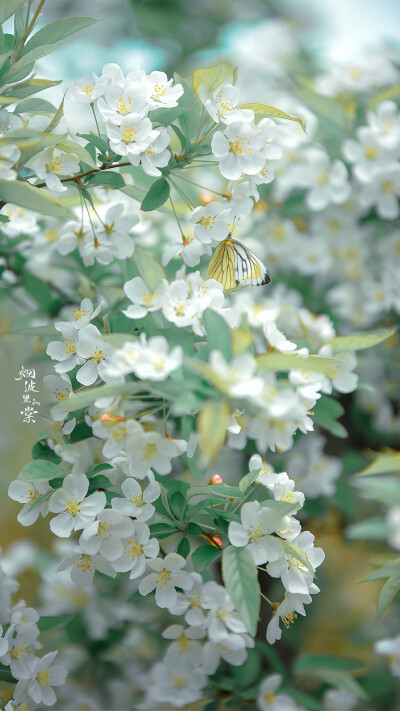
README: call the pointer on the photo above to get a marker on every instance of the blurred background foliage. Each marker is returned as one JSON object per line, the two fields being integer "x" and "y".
{"x": 181, "y": 35}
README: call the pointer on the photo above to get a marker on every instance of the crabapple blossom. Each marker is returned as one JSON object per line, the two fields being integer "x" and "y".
{"x": 136, "y": 550}
{"x": 178, "y": 684}
{"x": 51, "y": 163}
{"x": 186, "y": 643}
{"x": 155, "y": 361}
{"x": 268, "y": 700}
{"x": 296, "y": 577}
{"x": 27, "y": 493}
{"x": 382, "y": 191}
{"x": 222, "y": 618}
{"x": 137, "y": 502}
{"x": 231, "y": 649}
{"x": 390, "y": 648}
{"x": 239, "y": 149}
{"x": 385, "y": 122}
{"x": 220, "y": 105}
{"x": 189, "y": 603}
{"x": 149, "y": 450}
{"x": 74, "y": 510}
{"x": 238, "y": 375}
{"x": 65, "y": 352}
{"x": 43, "y": 677}
{"x": 156, "y": 154}
{"x": 160, "y": 91}
{"x": 9, "y": 155}
{"x": 286, "y": 611}
{"x": 255, "y": 532}
{"x": 20, "y": 650}
{"x": 85, "y": 90}
{"x": 105, "y": 533}
{"x": 143, "y": 299}
{"x": 211, "y": 222}
{"x": 276, "y": 338}
{"x": 83, "y": 567}
{"x": 132, "y": 136}
{"x": 168, "y": 575}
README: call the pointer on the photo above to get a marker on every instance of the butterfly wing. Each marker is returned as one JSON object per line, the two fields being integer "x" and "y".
{"x": 249, "y": 270}
{"x": 222, "y": 265}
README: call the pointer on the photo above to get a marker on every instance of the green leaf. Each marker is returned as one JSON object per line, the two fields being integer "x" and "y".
{"x": 212, "y": 422}
{"x": 359, "y": 341}
{"x": 384, "y": 489}
{"x": 8, "y": 8}
{"x": 149, "y": 269}
{"x": 224, "y": 491}
{"x": 312, "y": 661}
{"x": 5, "y": 674}
{"x": 387, "y": 571}
{"x": 165, "y": 116}
{"x": 326, "y": 107}
{"x": 55, "y": 120}
{"x": 264, "y": 111}
{"x": 40, "y": 450}
{"x": 32, "y": 198}
{"x": 392, "y": 92}
{"x": 162, "y": 530}
{"x": 248, "y": 480}
{"x": 239, "y": 573}
{"x": 296, "y": 552}
{"x": 190, "y": 118}
{"x": 387, "y": 594}
{"x": 203, "y": 556}
{"x": 99, "y": 468}
{"x": 326, "y": 411}
{"x": 88, "y": 396}
{"x": 156, "y": 196}
{"x": 382, "y": 464}
{"x": 306, "y": 701}
{"x": 58, "y": 30}
{"x": 373, "y": 529}
{"x": 30, "y": 57}
{"x": 336, "y": 677}
{"x": 35, "y": 106}
{"x": 106, "y": 177}
{"x": 93, "y": 138}
{"x": 32, "y": 86}
{"x": 218, "y": 333}
{"x": 40, "y": 470}
{"x": 293, "y": 361}
{"x": 183, "y": 548}
{"x": 51, "y": 622}
{"x": 212, "y": 77}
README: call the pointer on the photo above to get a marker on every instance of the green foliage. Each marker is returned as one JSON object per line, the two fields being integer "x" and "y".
{"x": 212, "y": 422}
{"x": 264, "y": 111}
{"x": 359, "y": 341}
{"x": 149, "y": 269}
{"x": 212, "y": 77}
{"x": 326, "y": 411}
{"x": 332, "y": 670}
{"x": 32, "y": 198}
{"x": 40, "y": 470}
{"x": 218, "y": 333}
{"x": 239, "y": 573}
{"x": 57, "y": 31}
{"x": 156, "y": 196}
{"x": 203, "y": 556}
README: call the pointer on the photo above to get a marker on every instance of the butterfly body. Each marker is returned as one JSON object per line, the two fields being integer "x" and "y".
{"x": 233, "y": 265}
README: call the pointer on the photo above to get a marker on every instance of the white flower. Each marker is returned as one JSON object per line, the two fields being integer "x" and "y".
{"x": 221, "y": 103}
{"x": 44, "y": 676}
{"x": 268, "y": 700}
{"x": 283, "y": 490}
{"x": 84, "y": 566}
{"x": 212, "y": 222}
{"x": 390, "y": 648}
{"x": 342, "y": 376}
{"x": 105, "y": 533}
{"x": 168, "y": 576}
{"x": 9, "y": 155}
{"x": 65, "y": 352}
{"x": 85, "y": 90}
{"x": 222, "y": 618}
{"x": 156, "y": 155}
{"x": 27, "y": 493}
{"x": 178, "y": 307}
{"x": 20, "y": 655}
{"x": 327, "y": 183}
{"x": 291, "y": 604}
{"x": 334, "y": 699}
{"x": 85, "y": 313}
{"x": 276, "y": 338}
{"x": 178, "y": 684}
{"x": 51, "y": 163}
{"x": 155, "y": 361}
{"x": 149, "y": 450}
{"x": 385, "y": 122}
{"x": 232, "y": 649}
{"x": 189, "y": 603}
{"x": 366, "y": 153}
{"x": 296, "y": 578}
{"x": 132, "y": 136}
{"x": 61, "y": 388}
{"x": 143, "y": 299}
{"x": 3, "y": 643}
{"x": 136, "y": 549}
{"x": 75, "y": 511}
{"x": 71, "y": 236}
{"x": 160, "y": 91}
{"x": 393, "y": 524}
{"x": 382, "y": 191}
{"x": 237, "y": 375}
{"x": 92, "y": 346}
{"x": 123, "y": 98}
{"x": 239, "y": 149}
{"x": 255, "y": 532}
{"x": 136, "y": 502}
{"x": 23, "y": 616}
{"x": 190, "y": 251}
{"x": 186, "y": 644}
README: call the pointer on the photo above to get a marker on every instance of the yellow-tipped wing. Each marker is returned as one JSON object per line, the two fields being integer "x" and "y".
{"x": 234, "y": 265}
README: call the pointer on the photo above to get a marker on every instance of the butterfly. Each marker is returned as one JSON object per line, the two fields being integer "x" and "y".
{"x": 233, "y": 265}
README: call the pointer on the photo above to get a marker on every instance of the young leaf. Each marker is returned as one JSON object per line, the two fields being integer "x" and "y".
{"x": 32, "y": 198}
{"x": 106, "y": 177}
{"x": 9, "y": 8}
{"x": 203, "y": 556}
{"x": 156, "y": 196}
{"x": 293, "y": 361}
{"x": 218, "y": 333}
{"x": 58, "y": 30}
{"x": 82, "y": 153}
{"x": 40, "y": 470}
{"x": 359, "y": 341}
{"x": 183, "y": 548}
{"x": 211, "y": 77}
{"x": 51, "y": 622}
{"x": 296, "y": 552}
{"x": 149, "y": 269}
{"x": 264, "y": 111}
{"x": 239, "y": 573}
{"x": 212, "y": 423}
{"x": 388, "y": 592}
